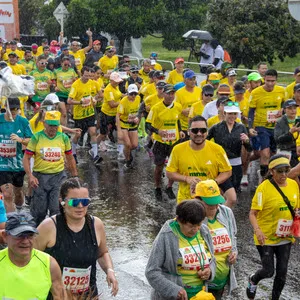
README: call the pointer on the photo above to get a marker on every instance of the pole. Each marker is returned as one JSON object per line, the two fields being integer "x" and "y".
{"x": 62, "y": 23}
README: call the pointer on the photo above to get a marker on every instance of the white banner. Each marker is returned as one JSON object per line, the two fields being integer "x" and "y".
{"x": 6, "y": 14}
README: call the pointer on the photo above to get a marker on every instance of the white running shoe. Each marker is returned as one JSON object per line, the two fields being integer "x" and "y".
{"x": 244, "y": 181}
{"x": 121, "y": 156}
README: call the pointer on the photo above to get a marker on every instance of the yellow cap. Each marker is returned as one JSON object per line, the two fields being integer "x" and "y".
{"x": 209, "y": 192}
{"x": 52, "y": 118}
{"x": 214, "y": 76}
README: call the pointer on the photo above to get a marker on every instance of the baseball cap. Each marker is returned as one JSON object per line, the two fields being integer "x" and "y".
{"x": 132, "y": 88}
{"x": 207, "y": 89}
{"x": 297, "y": 87}
{"x": 159, "y": 74}
{"x": 52, "y": 118}
{"x": 223, "y": 89}
{"x": 115, "y": 77}
{"x": 96, "y": 42}
{"x": 153, "y": 54}
{"x": 64, "y": 47}
{"x": 18, "y": 223}
{"x": 289, "y": 103}
{"x": 179, "y": 85}
{"x": 168, "y": 88}
{"x": 232, "y": 107}
{"x": 244, "y": 78}
{"x": 151, "y": 73}
{"x": 239, "y": 88}
{"x": 214, "y": 77}
{"x": 161, "y": 84}
{"x": 297, "y": 71}
{"x": 13, "y": 54}
{"x": 279, "y": 163}
{"x": 134, "y": 69}
{"x": 209, "y": 192}
{"x": 19, "y": 45}
{"x": 13, "y": 42}
{"x": 53, "y": 97}
{"x": 34, "y": 46}
{"x": 109, "y": 48}
{"x": 13, "y": 103}
{"x": 189, "y": 74}
{"x": 179, "y": 59}
{"x": 232, "y": 73}
{"x": 254, "y": 76}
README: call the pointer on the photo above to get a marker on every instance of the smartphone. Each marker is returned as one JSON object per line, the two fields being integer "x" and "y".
{"x": 297, "y": 122}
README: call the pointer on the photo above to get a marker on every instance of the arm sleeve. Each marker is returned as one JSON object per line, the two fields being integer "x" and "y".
{"x": 251, "y": 117}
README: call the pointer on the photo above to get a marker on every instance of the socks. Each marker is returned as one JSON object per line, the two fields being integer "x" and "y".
{"x": 95, "y": 149}
{"x": 74, "y": 146}
{"x": 120, "y": 148}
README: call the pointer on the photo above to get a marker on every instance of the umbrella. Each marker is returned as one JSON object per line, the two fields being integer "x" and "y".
{"x": 198, "y": 34}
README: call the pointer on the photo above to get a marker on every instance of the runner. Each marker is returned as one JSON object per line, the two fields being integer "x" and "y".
{"x": 26, "y": 273}
{"x": 163, "y": 122}
{"x": 50, "y": 149}
{"x": 127, "y": 122}
{"x": 170, "y": 271}
{"x": 28, "y": 63}
{"x": 196, "y": 160}
{"x": 220, "y": 221}
{"x": 15, "y": 133}
{"x": 271, "y": 217}
{"x": 144, "y": 71}
{"x": 176, "y": 75}
{"x": 75, "y": 226}
{"x": 289, "y": 90}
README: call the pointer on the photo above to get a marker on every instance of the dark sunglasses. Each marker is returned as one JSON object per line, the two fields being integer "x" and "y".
{"x": 196, "y": 130}
{"x": 134, "y": 72}
{"x": 133, "y": 94}
{"x": 75, "y": 202}
{"x": 208, "y": 95}
{"x": 281, "y": 171}
{"x": 231, "y": 103}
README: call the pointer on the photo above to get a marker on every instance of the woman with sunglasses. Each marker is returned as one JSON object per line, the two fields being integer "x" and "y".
{"x": 134, "y": 77}
{"x": 127, "y": 122}
{"x": 271, "y": 219}
{"x": 67, "y": 237}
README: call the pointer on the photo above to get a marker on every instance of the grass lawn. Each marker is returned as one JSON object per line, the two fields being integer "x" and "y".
{"x": 152, "y": 44}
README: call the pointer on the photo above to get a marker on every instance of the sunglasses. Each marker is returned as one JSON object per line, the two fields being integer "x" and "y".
{"x": 134, "y": 72}
{"x": 208, "y": 95}
{"x": 281, "y": 171}
{"x": 196, "y": 130}
{"x": 25, "y": 235}
{"x": 75, "y": 202}
{"x": 133, "y": 94}
{"x": 230, "y": 103}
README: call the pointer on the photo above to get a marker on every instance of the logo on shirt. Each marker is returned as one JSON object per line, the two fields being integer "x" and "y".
{"x": 19, "y": 131}
{"x": 209, "y": 163}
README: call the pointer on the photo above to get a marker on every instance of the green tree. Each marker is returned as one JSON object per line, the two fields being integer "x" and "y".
{"x": 254, "y": 32}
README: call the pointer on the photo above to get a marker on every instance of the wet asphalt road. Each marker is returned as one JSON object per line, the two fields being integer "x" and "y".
{"x": 124, "y": 200}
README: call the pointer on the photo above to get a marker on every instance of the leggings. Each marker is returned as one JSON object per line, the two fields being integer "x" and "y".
{"x": 282, "y": 253}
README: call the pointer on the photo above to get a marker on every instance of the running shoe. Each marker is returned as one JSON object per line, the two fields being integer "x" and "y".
{"x": 75, "y": 157}
{"x": 27, "y": 200}
{"x": 158, "y": 194}
{"x": 97, "y": 160}
{"x": 91, "y": 153}
{"x": 80, "y": 141}
{"x": 121, "y": 156}
{"x": 251, "y": 288}
{"x": 110, "y": 144}
{"x": 128, "y": 165}
{"x": 102, "y": 147}
{"x": 170, "y": 193}
{"x": 244, "y": 181}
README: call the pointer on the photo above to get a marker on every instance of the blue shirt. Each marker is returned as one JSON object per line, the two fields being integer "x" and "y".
{"x": 11, "y": 155}
{"x": 2, "y": 212}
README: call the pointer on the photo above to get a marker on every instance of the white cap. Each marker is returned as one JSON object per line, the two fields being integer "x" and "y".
{"x": 132, "y": 88}
{"x": 53, "y": 97}
{"x": 19, "y": 45}
{"x": 232, "y": 109}
{"x": 232, "y": 73}
{"x": 115, "y": 77}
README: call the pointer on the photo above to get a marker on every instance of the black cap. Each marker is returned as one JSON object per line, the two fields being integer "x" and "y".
{"x": 289, "y": 103}
{"x": 13, "y": 103}
{"x": 208, "y": 89}
{"x": 151, "y": 73}
{"x": 222, "y": 100}
{"x": 65, "y": 58}
{"x": 161, "y": 83}
{"x": 168, "y": 88}
{"x": 18, "y": 223}
{"x": 239, "y": 88}
{"x": 12, "y": 54}
{"x": 13, "y": 42}
{"x": 297, "y": 87}
{"x": 244, "y": 78}
{"x": 134, "y": 69}
{"x": 158, "y": 74}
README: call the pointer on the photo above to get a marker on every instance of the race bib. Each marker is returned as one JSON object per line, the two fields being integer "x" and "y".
{"x": 67, "y": 83}
{"x": 272, "y": 116}
{"x": 284, "y": 228}
{"x": 8, "y": 149}
{"x": 76, "y": 280}
{"x": 77, "y": 61}
{"x": 221, "y": 240}
{"x": 86, "y": 101}
{"x": 190, "y": 259}
{"x": 42, "y": 86}
{"x": 51, "y": 154}
{"x": 171, "y": 136}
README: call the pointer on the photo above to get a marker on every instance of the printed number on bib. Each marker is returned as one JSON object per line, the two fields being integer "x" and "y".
{"x": 171, "y": 135}
{"x": 77, "y": 61}
{"x": 221, "y": 239}
{"x": 76, "y": 280}
{"x": 272, "y": 116}
{"x": 52, "y": 154}
{"x": 42, "y": 86}
{"x": 284, "y": 228}
{"x": 190, "y": 259}
{"x": 67, "y": 83}
{"x": 8, "y": 149}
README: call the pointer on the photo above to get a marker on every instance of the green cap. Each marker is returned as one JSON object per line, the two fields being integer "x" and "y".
{"x": 254, "y": 76}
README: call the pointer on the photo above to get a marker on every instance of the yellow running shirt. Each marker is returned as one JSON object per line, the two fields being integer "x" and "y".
{"x": 148, "y": 89}
{"x": 32, "y": 281}
{"x": 108, "y": 63}
{"x": 222, "y": 247}
{"x": 144, "y": 76}
{"x": 128, "y": 110}
{"x": 174, "y": 77}
{"x": 49, "y": 152}
{"x": 64, "y": 80}
{"x": 187, "y": 99}
{"x": 41, "y": 83}
{"x": 206, "y": 163}
{"x": 28, "y": 65}
{"x": 164, "y": 117}
{"x": 152, "y": 100}
{"x": 267, "y": 105}
{"x": 216, "y": 119}
{"x": 82, "y": 92}
{"x": 289, "y": 91}
{"x": 17, "y": 69}
{"x": 274, "y": 217}
{"x": 111, "y": 94}
{"x": 193, "y": 256}
{"x": 79, "y": 58}
{"x": 196, "y": 109}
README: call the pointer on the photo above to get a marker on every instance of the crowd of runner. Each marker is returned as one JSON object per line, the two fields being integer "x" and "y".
{"x": 205, "y": 135}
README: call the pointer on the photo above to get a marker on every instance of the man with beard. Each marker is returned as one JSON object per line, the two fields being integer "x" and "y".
{"x": 196, "y": 160}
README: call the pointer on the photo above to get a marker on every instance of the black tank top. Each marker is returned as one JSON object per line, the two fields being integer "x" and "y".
{"x": 75, "y": 249}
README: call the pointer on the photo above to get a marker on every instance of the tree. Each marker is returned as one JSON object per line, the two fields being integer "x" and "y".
{"x": 253, "y": 33}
